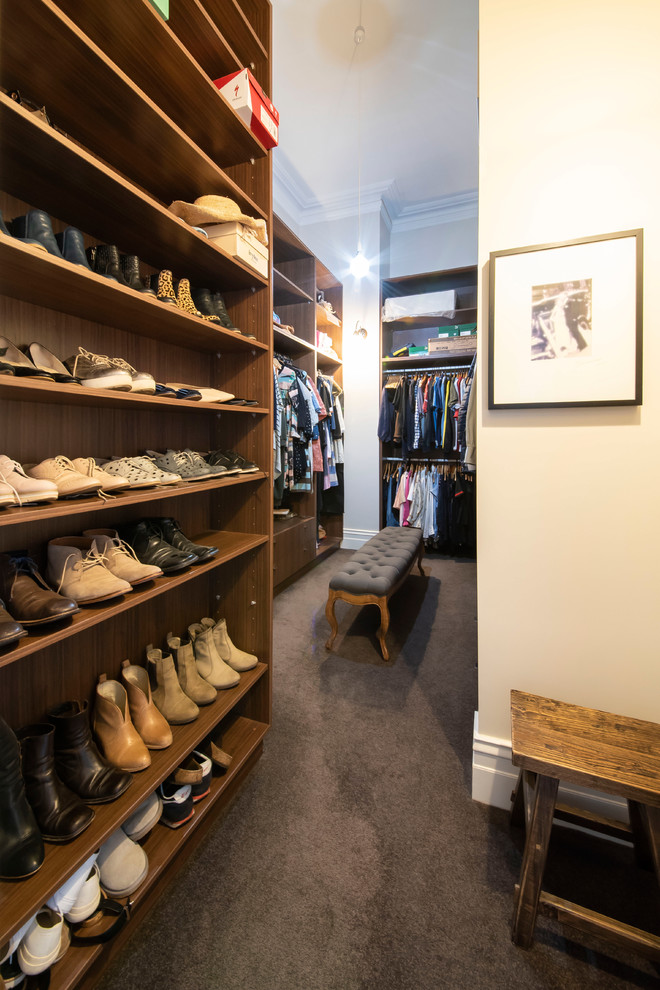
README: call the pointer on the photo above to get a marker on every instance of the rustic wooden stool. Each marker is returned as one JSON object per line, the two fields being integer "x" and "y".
{"x": 553, "y": 741}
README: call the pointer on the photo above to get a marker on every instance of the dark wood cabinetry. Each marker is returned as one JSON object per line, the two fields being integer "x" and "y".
{"x": 138, "y": 124}
{"x": 298, "y": 276}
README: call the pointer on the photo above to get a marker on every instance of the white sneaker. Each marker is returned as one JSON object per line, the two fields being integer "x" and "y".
{"x": 141, "y": 381}
{"x": 67, "y": 895}
{"x": 120, "y": 557}
{"x": 28, "y": 490}
{"x": 63, "y": 474}
{"x": 41, "y": 943}
{"x": 89, "y": 467}
{"x": 88, "y": 899}
{"x": 123, "y": 865}
{"x": 9, "y": 948}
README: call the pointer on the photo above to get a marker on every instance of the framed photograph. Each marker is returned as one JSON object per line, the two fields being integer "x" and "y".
{"x": 565, "y": 323}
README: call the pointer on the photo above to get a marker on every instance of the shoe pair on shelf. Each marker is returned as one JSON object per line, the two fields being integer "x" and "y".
{"x": 126, "y": 722}
{"x": 100, "y": 371}
{"x": 96, "y": 566}
{"x": 233, "y": 462}
{"x": 188, "y": 464}
{"x": 180, "y": 792}
{"x": 160, "y": 541}
{"x": 200, "y": 302}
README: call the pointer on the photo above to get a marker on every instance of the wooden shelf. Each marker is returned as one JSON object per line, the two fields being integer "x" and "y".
{"x": 44, "y": 280}
{"x": 286, "y": 292}
{"x": 230, "y": 545}
{"x": 423, "y": 360}
{"x": 327, "y": 546}
{"x": 449, "y": 318}
{"x": 293, "y": 522}
{"x": 20, "y": 899}
{"x": 124, "y": 113}
{"x": 326, "y": 319}
{"x": 292, "y": 346}
{"x": 139, "y": 496}
{"x": 324, "y": 359}
{"x": 238, "y": 30}
{"x": 99, "y": 201}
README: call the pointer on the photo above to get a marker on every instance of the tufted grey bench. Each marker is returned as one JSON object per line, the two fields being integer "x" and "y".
{"x": 375, "y": 572}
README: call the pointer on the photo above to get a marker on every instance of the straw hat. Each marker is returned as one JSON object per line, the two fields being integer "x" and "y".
{"x": 217, "y": 209}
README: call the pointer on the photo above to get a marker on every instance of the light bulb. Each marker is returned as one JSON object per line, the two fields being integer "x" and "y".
{"x": 359, "y": 265}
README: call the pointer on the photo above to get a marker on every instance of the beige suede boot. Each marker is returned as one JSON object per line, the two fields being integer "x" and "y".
{"x": 148, "y": 721}
{"x": 209, "y": 664}
{"x": 192, "y": 683}
{"x": 114, "y": 730}
{"x": 237, "y": 659}
{"x": 168, "y": 697}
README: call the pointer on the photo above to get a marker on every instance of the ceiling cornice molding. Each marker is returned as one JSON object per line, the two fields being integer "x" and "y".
{"x": 459, "y": 206}
{"x": 293, "y": 195}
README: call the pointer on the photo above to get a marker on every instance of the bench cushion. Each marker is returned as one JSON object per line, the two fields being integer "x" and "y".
{"x": 380, "y": 564}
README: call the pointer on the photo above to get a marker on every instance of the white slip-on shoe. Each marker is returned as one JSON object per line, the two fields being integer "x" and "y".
{"x": 89, "y": 897}
{"x": 9, "y": 948}
{"x": 144, "y": 818}
{"x": 123, "y": 865}
{"x": 66, "y": 896}
{"x": 40, "y": 946}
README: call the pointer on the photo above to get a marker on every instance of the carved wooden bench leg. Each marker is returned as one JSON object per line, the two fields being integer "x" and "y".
{"x": 384, "y": 626}
{"x": 420, "y": 555}
{"x": 330, "y": 616}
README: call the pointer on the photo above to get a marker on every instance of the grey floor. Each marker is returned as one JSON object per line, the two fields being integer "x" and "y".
{"x": 354, "y": 857}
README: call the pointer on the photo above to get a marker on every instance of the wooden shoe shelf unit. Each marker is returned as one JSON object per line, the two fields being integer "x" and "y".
{"x": 297, "y": 276}
{"x": 138, "y": 124}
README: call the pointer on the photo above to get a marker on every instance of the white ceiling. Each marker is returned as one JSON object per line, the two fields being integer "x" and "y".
{"x": 415, "y": 78}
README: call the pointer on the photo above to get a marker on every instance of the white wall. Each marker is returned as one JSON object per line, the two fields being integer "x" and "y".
{"x": 569, "y": 543}
{"x": 434, "y": 248}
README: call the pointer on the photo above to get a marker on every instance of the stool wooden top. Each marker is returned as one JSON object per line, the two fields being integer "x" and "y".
{"x": 612, "y": 753}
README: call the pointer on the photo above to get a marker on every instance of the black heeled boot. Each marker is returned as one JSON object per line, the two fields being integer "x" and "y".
{"x": 104, "y": 260}
{"x": 35, "y": 225}
{"x": 72, "y": 245}
{"x": 220, "y": 311}
{"x": 60, "y": 814}
{"x": 21, "y": 844}
{"x": 130, "y": 267}
{"x": 203, "y": 300}
{"x": 77, "y": 759}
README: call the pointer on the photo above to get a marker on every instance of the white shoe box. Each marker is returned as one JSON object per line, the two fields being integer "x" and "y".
{"x": 240, "y": 242}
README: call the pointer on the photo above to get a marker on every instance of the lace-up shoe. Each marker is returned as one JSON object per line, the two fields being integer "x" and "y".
{"x": 185, "y": 463}
{"x": 27, "y": 490}
{"x": 77, "y": 569}
{"x": 120, "y": 558}
{"x": 108, "y": 482}
{"x": 98, "y": 371}
{"x": 140, "y": 472}
{"x": 63, "y": 474}
{"x": 141, "y": 381}
{"x": 232, "y": 461}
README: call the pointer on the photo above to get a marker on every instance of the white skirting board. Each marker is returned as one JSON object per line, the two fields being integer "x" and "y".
{"x": 353, "y": 539}
{"x": 494, "y": 778}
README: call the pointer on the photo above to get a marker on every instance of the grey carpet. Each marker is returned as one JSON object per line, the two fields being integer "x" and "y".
{"x": 354, "y": 857}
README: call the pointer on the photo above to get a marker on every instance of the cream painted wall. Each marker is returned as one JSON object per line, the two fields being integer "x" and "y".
{"x": 568, "y": 499}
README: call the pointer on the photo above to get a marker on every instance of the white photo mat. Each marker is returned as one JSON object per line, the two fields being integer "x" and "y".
{"x": 565, "y": 323}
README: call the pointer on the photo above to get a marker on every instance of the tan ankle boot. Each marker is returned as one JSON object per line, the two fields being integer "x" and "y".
{"x": 237, "y": 659}
{"x": 168, "y": 697}
{"x": 148, "y": 721}
{"x": 118, "y": 737}
{"x": 192, "y": 683}
{"x": 209, "y": 664}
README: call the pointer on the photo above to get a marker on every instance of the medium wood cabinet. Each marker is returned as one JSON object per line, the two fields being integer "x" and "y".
{"x": 136, "y": 123}
{"x": 298, "y": 279}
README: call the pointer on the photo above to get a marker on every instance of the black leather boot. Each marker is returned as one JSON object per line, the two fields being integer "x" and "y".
{"x": 61, "y": 816}
{"x": 203, "y": 300}
{"x": 21, "y": 844}
{"x": 35, "y": 225}
{"x": 72, "y": 245}
{"x": 220, "y": 311}
{"x": 130, "y": 267}
{"x": 77, "y": 760}
{"x": 172, "y": 534}
{"x": 104, "y": 260}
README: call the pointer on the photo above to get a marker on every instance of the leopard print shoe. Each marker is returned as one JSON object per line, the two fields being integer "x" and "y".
{"x": 185, "y": 302}
{"x": 164, "y": 288}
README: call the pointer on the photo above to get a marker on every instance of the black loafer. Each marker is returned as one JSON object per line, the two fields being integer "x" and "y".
{"x": 150, "y": 547}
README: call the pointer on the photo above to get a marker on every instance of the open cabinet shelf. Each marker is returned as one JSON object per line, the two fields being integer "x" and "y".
{"x": 138, "y": 123}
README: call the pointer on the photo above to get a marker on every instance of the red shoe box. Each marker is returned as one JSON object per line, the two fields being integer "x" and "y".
{"x": 250, "y": 102}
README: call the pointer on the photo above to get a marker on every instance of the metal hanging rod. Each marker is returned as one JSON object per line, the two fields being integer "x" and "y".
{"x": 423, "y": 460}
{"x": 418, "y": 370}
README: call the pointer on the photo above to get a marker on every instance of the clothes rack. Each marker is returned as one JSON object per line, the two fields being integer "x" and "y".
{"x": 422, "y": 371}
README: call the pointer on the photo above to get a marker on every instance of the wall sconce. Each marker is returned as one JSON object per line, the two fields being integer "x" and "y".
{"x": 360, "y": 331}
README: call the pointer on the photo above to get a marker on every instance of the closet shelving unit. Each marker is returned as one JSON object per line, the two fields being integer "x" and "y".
{"x": 464, "y": 282}
{"x": 138, "y": 124}
{"x": 297, "y": 276}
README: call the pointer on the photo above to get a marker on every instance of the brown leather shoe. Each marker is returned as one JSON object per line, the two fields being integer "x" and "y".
{"x": 114, "y": 730}
{"x": 27, "y": 596}
{"x": 10, "y": 629}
